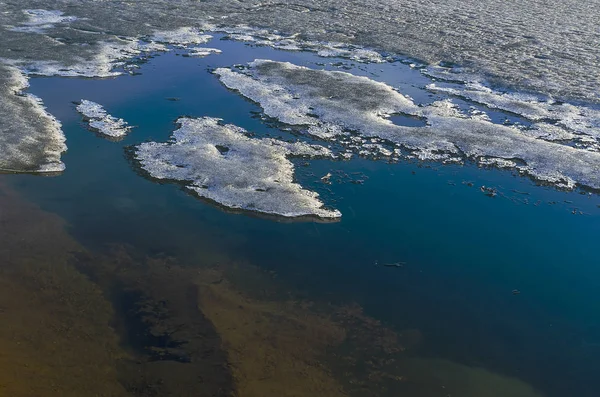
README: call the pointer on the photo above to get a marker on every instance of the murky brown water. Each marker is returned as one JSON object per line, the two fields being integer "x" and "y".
{"x": 118, "y": 322}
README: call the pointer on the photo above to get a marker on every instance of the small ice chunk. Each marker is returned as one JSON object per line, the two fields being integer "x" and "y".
{"x": 202, "y": 52}
{"x": 497, "y": 162}
{"x": 221, "y": 163}
{"x": 326, "y": 131}
{"x": 99, "y": 120}
{"x": 364, "y": 55}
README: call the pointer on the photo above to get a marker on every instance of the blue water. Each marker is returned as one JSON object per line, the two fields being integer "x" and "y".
{"x": 464, "y": 252}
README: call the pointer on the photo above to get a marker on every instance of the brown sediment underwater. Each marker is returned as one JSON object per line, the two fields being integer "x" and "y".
{"x": 175, "y": 350}
{"x": 234, "y": 329}
{"x": 77, "y": 324}
{"x": 275, "y": 348}
{"x": 282, "y": 345}
{"x": 122, "y": 323}
{"x": 55, "y": 338}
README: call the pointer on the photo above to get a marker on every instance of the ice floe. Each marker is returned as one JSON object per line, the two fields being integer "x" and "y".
{"x": 99, "y": 120}
{"x": 32, "y": 147}
{"x": 201, "y": 52}
{"x": 331, "y": 102}
{"x": 41, "y": 20}
{"x": 220, "y": 162}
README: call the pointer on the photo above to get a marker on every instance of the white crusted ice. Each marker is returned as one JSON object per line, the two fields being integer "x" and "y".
{"x": 324, "y": 49}
{"x": 320, "y": 100}
{"x": 566, "y": 118}
{"x": 41, "y": 20}
{"x": 106, "y": 57}
{"x": 32, "y": 147}
{"x": 99, "y": 120}
{"x": 221, "y": 163}
{"x": 181, "y": 37}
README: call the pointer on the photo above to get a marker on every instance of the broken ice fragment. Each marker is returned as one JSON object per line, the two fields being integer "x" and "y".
{"x": 99, "y": 120}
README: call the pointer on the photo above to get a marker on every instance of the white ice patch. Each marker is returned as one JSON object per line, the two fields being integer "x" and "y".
{"x": 41, "y": 20}
{"x": 319, "y": 100}
{"x": 99, "y": 120}
{"x": 221, "y": 163}
{"x": 181, "y": 37}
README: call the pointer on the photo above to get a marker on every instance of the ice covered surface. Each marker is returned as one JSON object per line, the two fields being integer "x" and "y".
{"x": 99, "y": 120}
{"x": 181, "y": 37}
{"x": 101, "y": 61}
{"x": 221, "y": 163}
{"x": 38, "y": 21}
{"x": 326, "y": 49}
{"x": 489, "y": 39}
{"x": 35, "y": 146}
{"x": 520, "y": 54}
{"x": 332, "y": 103}
{"x": 103, "y": 57}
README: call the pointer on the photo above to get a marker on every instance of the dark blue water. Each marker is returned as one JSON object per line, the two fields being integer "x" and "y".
{"x": 464, "y": 252}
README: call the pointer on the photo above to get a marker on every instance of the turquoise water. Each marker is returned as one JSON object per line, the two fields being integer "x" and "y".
{"x": 464, "y": 252}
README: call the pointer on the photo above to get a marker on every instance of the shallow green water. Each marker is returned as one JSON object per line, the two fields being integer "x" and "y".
{"x": 463, "y": 252}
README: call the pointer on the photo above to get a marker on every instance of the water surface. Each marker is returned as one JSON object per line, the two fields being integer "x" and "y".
{"x": 506, "y": 283}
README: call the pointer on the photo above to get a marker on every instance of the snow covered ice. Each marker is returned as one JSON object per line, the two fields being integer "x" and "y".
{"x": 220, "y": 162}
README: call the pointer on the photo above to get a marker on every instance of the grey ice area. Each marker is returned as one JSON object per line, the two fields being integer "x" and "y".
{"x": 220, "y": 162}
{"x": 325, "y": 49}
{"x": 489, "y": 39}
{"x": 100, "y": 121}
{"x": 90, "y": 38}
{"x": 38, "y": 21}
{"x": 331, "y": 105}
